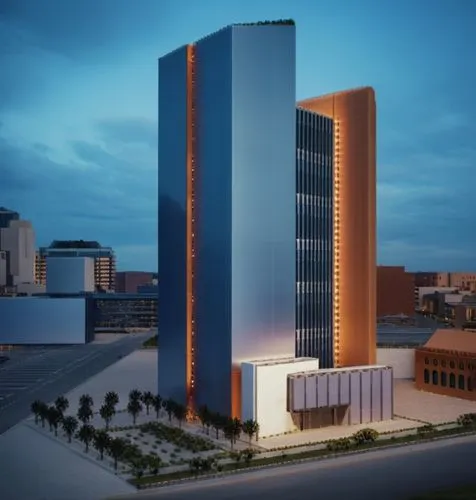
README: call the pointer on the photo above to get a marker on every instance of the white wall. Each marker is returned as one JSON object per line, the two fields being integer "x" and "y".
{"x": 264, "y": 389}
{"x": 69, "y": 275}
{"x": 35, "y": 320}
{"x": 401, "y": 360}
{"x": 427, "y": 290}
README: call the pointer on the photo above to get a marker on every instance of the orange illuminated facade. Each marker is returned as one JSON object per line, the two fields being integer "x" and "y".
{"x": 354, "y": 315}
{"x": 190, "y": 340}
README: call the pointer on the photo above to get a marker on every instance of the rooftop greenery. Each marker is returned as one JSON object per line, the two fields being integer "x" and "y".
{"x": 284, "y": 22}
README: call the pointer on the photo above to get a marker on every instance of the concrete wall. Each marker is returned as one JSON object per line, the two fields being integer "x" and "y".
{"x": 34, "y": 320}
{"x": 367, "y": 392}
{"x": 264, "y": 393}
{"x": 401, "y": 360}
{"x": 69, "y": 275}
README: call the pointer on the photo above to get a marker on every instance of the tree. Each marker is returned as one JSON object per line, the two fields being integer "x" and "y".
{"x": 157, "y": 404}
{"x": 35, "y": 408}
{"x": 107, "y": 412}
{"x": 154, "y": 463}
{"x": 232, "y": 430}
{"x": 148, "y": 399}
{"x": 86, "y": 435}
{"x": 111, "y": 399}
{"x": 43, "y": 412}
{"x": 85, "y": 414}
{"x": 250, "y": 428}
{"x": 134, "y": 407}
{"x": 169, "y": 406}
{"x": 86, "y": 400}
{"x": 138, "y": 465}
{"x": 101, "y": 442}
{"x": 180, "y": 413}
{"x": 218, "y": 422}
{"x": 116, "y": 449}
{"x": 70, "y": 424}
{"x": 205, "y": 417}
{"x": 62, "y": 404}
{"x": 54, "y": 418}
{"x": 135, "y": 395}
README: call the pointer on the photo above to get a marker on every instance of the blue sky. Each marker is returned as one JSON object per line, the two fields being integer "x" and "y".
{"x": 78, "y": 112}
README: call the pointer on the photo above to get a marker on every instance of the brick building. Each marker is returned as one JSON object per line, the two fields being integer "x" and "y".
{"x": 395, "y": 291}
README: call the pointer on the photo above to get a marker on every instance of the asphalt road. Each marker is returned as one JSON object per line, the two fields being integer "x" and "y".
{"x": 392, "y": 474}
{"x": 45, "y": 373}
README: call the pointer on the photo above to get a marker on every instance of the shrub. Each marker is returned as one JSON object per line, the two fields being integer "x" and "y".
{"x": 179, "y": 437}
{"x": 365, "y": 436}
{"x": 340, "y": 444}
{"x": 426, "y": 429}
{"x": 467, "y": 420}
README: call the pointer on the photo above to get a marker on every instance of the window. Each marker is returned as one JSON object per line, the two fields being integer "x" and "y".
{"x": 461, "y": 365}
{"x": 434, "y": 377}
{"x": 426, "y": 376}
{"x": 444, "y": 379}
{"x": 461, "y": 382}
{"x": 435, "y": 362}
{"x": 427, "y": 361}
{"x": 452, "y": 380}
{"x": 469, "y": 384}
{"x": 443, "y": 363}
{"x": 452, "y": 364}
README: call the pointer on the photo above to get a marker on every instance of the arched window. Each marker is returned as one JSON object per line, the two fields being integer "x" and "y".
{"x": 461, "y": 365}
{"x": 427, "y": 361}
{"x": 443, "y": 363}
{"x": 452, "y": 380}
{"x": 461, "y": 382}
{"x": 452, "y": 364}
{"x": 434, "y": 377}
{"x": 444, "y": 379}
{"x": 435, "y": 362}
{"x": 470, "y": 384}
{"x": 426, "y": 376}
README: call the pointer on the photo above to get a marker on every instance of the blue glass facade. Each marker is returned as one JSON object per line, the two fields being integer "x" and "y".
{"x": 244, "y": 209}
{"x": 314, "y": 237}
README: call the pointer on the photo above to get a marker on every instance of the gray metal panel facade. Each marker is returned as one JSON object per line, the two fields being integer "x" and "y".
{"x": 172, "y": 224}
{"x": 35, "y": 320}
{"x": 314, "y": 236}
{"x": 263, "y": 192}
{"x": 213, "y": 94}
{"x": 368, "y": 393}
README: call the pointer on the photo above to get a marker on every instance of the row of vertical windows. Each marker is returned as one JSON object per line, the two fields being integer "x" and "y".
{"x": 442, "y": 379}
{"x": 470, "y": 365}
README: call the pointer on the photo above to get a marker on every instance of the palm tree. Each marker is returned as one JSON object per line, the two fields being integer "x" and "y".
{"x": 86, "y": 435}
{"x": 232, "y": 430}
{"x": 86, "y": 400}
{"x": 35, "y": 408}
{"x": 85, "y": 413}
{"x": 169, "y": 406}
{"x": 116, "y": 449}
{"x": 43, "y": 412}
{"x": 101, "y": 442}
{"x": 180, "y": 413}
{"x": 111, "y": 399}
{"x": 250, "y": 428}
{"x": 157, "y": 404}
{"x": 70, "y": 424}
{"x": 203, "y": 414}
{"x": 217, "y": 421}
{"x": 148, "y": 399}
{"x": 107, "y": 412}
{"x": 61, "y": 404}
{"x": 54, "y": 418}
{"x": 134, "y": 407}
{"x": 135, "y": 395}
{"x": 154, "y": 463}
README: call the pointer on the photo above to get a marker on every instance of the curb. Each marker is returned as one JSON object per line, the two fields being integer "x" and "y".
{"x": 331, "y": 456}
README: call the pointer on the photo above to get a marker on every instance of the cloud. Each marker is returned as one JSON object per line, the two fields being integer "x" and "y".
{"x": 129, "y": 131}
{"x": 96, "y": 196}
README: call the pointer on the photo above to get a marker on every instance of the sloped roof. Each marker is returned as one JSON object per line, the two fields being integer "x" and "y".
{"x": 453, "y": 340}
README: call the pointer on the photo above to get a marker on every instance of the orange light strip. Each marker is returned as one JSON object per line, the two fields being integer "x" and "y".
{"x": 337, "y": 243}
{"x": 190, "y": 362}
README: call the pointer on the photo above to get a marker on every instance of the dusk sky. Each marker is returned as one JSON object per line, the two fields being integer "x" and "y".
{"x": 78, "y": 112}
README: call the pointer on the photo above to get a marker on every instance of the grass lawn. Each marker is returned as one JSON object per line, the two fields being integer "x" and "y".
{"x": 461, "y": 493}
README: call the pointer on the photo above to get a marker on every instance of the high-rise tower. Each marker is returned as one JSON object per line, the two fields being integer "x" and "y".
{"x": 227, "y": 190}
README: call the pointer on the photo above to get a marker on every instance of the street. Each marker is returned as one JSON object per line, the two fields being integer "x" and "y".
{"x": 47, "y": 372}
{"x": 392, "y": 474}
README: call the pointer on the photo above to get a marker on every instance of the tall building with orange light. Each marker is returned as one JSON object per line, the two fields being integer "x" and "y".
{"x": 227, "y": 223}
{"x": 354, "y": 212}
